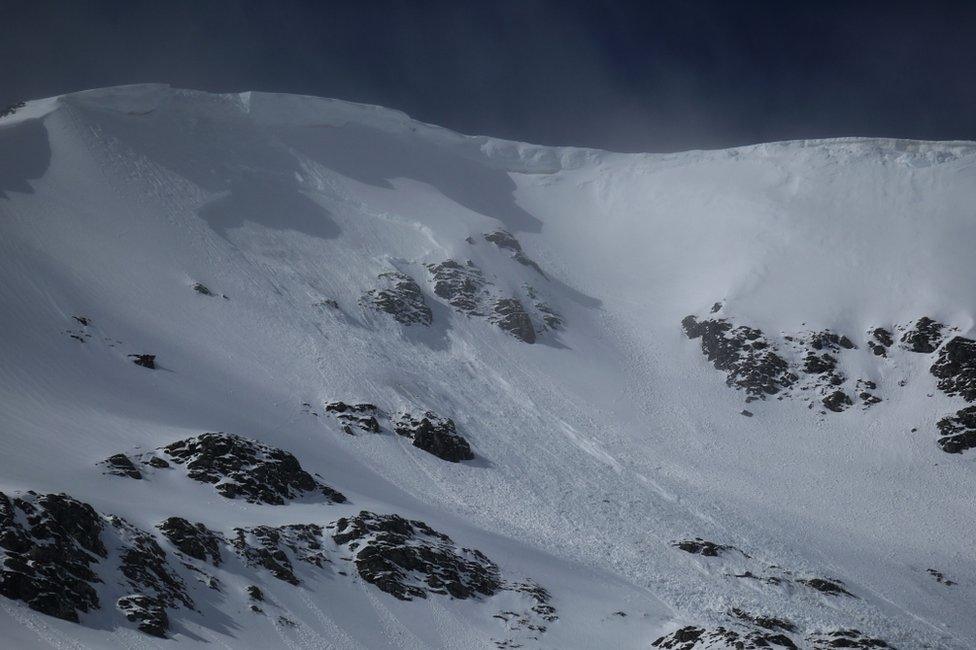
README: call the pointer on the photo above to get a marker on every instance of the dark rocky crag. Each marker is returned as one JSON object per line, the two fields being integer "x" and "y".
{"x": 435, "y": 435}
{"x": 958, "y": 431}
{"x": 51, "y": 547}
{"x": 361, "y": 416}
{"x": 956, "y": 368}
{"x": 407, "y": 559}
{"x": 194, "y": 540}
{"x": 401, "y": 298}
{"x": 239, "y": 467}
{"x": 463, "y": 287}
{"x": 924, "y": 336}
{"x": 743, "y": 353}
{"x": 510, "y": 316}
{"x": 278, "y": 548}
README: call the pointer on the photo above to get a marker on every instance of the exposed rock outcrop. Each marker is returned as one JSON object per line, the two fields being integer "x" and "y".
{"x": 193, "y": 539}
{"x": 361, "y": 416}
{"x": 744, "y": 354}
{"x": 144, "y": 360}
{"x": 462, "y": 286}
{"x": 694, "y": 638}
{"x": 147, "y": 612}
{"x": 278, "y": 548}
{"x": 435, "y": 435}
{"x": 845, "y": 639}
{"x": 408, "y": 559}
{"x": 50, "y": 545}
{"x": 239, "y": 467}
{"x": 924, "y": 336}
{"x": 401, "y": 298}
{"x": 121, "y": 465}
{"x": 699, "y": 546}
{"x": 956, "y": 368}
{"x": 958, "y": 431}
{"x": 510, "y": 316}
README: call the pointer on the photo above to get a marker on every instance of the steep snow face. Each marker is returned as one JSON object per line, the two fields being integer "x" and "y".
{"x": 460, "y": 399}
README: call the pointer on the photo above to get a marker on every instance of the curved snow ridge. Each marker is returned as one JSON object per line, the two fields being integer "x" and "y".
{"x": 291, "y": 110}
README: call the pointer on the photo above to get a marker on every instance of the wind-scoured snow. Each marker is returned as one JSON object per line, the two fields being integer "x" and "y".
{"x": 602, "y": 448}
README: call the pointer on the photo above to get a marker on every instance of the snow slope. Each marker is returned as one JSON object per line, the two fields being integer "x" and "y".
{"x": 595, "y": 447}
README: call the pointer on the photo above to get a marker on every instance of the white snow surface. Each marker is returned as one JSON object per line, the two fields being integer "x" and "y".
{"x": 596, "y": 447}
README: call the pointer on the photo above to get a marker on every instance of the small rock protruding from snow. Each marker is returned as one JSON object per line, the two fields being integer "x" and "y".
{"x": 837, "y": 401}
{"x": 825, "y": 586}
{"x": 144, "y": 360}
{"x": 361, "y": 416}
{"x": 699, "y": 546}
{"x": 202, "y": 289}
{"x": 121, "y": 465}
{"x": 505, "y": 240}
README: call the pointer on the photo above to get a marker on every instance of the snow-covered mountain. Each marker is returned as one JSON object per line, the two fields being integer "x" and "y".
{"x": 281, "y": 371}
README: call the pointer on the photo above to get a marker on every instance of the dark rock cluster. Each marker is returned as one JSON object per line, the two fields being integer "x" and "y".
{"x": 924, "y": 336}
{"x": 50, "y": 545}
{"x": 278, "y": 548}
{"x": 435, "y": 435}
{"x": 11, "y": 109}
{"x": 941, "y": 578}
{"x": 829, "y": 587}
{"x": 510, "y": 316}
{"x": 144, "y": 360}
{"x": 461, "y": 286}
{"x": 880, "y": 341}
{"x": 193, "y": 539}
{"x": 837, "y": 401}
{"x": 401, "y": 298}
{"x": 765, "y": 622}
{"x": 699, "y": 546}
{"x": 362, "y": 416}
{"x": 245, "y": 468}
{"x": 148, "y": 613}
{"x": 958, "y": 431}
{"x": 750, "y": 362}
{"x": 407, "y": 559}
{"x": 691, "y": 637}
{"x": 237, "y": 467}
{"x": 202, "y": 289}
{"x": 146, "y": 566}
{"x": 845, "y": 639}
{"x": 956, "y": 368}
{"x": 828, "y": 340}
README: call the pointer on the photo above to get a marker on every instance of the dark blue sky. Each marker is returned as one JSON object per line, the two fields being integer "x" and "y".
{"x": 629, "y": 76}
